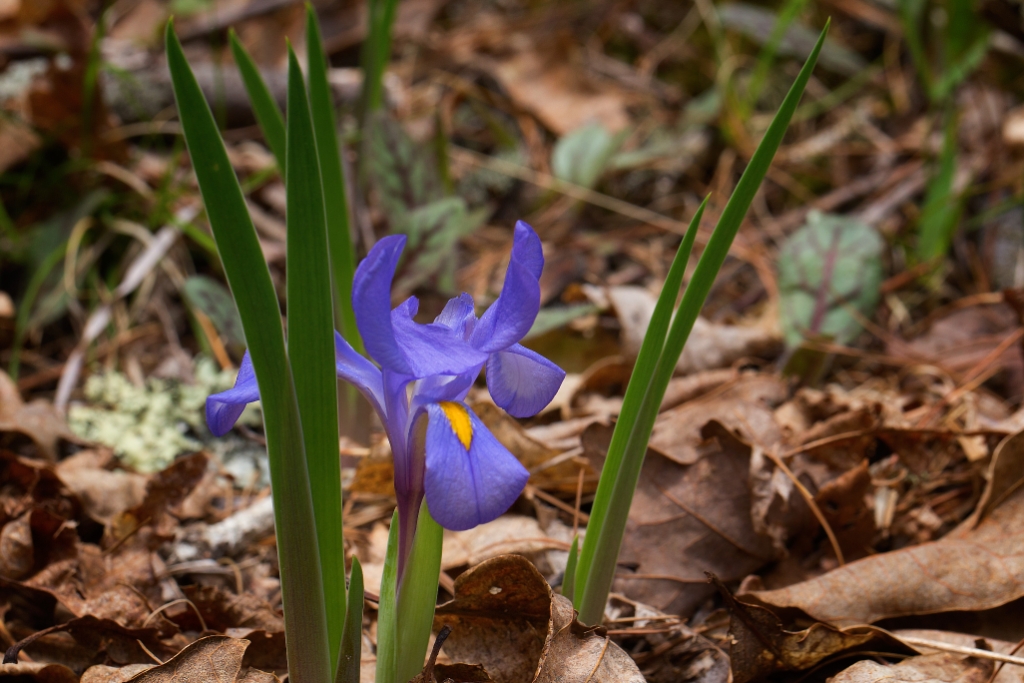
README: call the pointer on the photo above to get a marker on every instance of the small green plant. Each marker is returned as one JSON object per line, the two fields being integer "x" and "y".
{"x": 659, "y": 353}
{"x": 450, "y": 471}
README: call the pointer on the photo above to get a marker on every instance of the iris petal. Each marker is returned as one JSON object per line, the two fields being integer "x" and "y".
{"x": 510, "y": 317}
{"x": 457, "y": 314}
{"x": 371, "y": 302}
{"x": 470, "y": 477}
{"x": 432, "y": 349}
{"x": 224, "y": 409}
{"x": 355, "y": 368}
{"x": 522, "y": 381}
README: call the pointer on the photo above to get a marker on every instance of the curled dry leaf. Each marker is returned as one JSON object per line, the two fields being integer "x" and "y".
{"x": 505, "y": 618}
{"x": 761, "y": 645}
{"x": 976, "y": 567}
{"x": 214, "y": 658}
{"x": 39, "y": 421}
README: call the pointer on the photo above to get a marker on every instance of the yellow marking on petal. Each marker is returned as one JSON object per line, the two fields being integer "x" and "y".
{"x": 458, "y": 418}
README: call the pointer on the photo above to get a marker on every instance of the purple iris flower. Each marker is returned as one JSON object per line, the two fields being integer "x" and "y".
{"x": 441, "y": 448}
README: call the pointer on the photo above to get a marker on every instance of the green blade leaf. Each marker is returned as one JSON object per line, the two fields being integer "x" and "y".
{"x": 633, "y": 430}
{"x": 351, "y": 642}
{"x": 593, "y": 554}
{"x": 418, "y": 596}
{"x": 249, "y": 278}
{"x": 387, "y": 610}
{"x": 311, "y": 344}
{"x": 339, "y": 235}
{"x": 268, "y": 115}
{"x": 376, "y": 53}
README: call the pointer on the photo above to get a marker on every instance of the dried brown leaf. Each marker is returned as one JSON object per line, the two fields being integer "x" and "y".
{"x": 976, "y": 567}
{"x": 505, "y": 618}
{"x": 39, "y": 421}
{"x": 761, "y": 646}
{"x": 937, "y": 668}
{"x": 214, "y": 658}
{"x": 744, "y": 405}
{"x": 38, "y": 672}
{"x": 688, "y": 519}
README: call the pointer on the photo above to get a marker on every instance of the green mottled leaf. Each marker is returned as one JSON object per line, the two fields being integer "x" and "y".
{"x": 214, "y": 300}
{"x": 829, "y": 270}
{"x": 582, "y": 155}
{"x": 434, "y": 230}
{"x": 404, "y": 173}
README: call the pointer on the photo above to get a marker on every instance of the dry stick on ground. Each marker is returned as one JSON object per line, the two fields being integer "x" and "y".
{"x": 960, "y": 649}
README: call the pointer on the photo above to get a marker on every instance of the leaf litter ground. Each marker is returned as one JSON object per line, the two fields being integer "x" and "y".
{"x": 840, "y": 448}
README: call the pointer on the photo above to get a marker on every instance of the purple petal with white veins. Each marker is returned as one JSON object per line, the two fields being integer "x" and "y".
{"x": 355, "y": 368}
{"x": 224, "y": 409}
{"x": 371, "y": 302}
{"x": 522, "y": 381}
{"x": 470, "y": 477}
{"x": 509, "y": 318}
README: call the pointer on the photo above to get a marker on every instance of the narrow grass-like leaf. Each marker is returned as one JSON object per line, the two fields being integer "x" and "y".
{"x": 339, "y": 235}
{"x": 376, "y": 53}
{"x": 352, "y": 641}
{"x": 643, "y": 372}
{"x": 418, "y": 595}
{"x": 621, "y": 472}
{"x": 387, "y": 610}
{"x": 268, "y": 115}
{"x": 569, "y": 578}
{"x": 28, "y": 302}
{"x": 941, "y": 211}
{"x": 311, "y": 343}
{"x": 247, "y": 273}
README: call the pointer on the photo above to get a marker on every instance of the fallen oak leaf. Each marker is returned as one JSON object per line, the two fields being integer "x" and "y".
{"x": 506, "y": 618}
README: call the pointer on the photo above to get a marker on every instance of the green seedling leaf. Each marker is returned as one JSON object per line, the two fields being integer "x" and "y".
{"x": 829, "y": 272}
{"x": 798, "y": 41}
{"x": 249, "y": 278}
{"x": 940, "y": 213}
{"x": 434, "y": 231}
{"x": 403, "y": 173}
{"x": 582, "y": 156}
{"x": 213, "y": 300}
{"x": 376, "y": 54}
{"x": 311, "y": 343}
{"x": 656, "y": 362}
{"x": 343, "y": 260}
{"x": 418, "y": 596}
{"x": 387, "y": 611}
{"x": 549, "y": 319}
{"x": 268, "y": 115}
{"x": 351, "y": 642}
